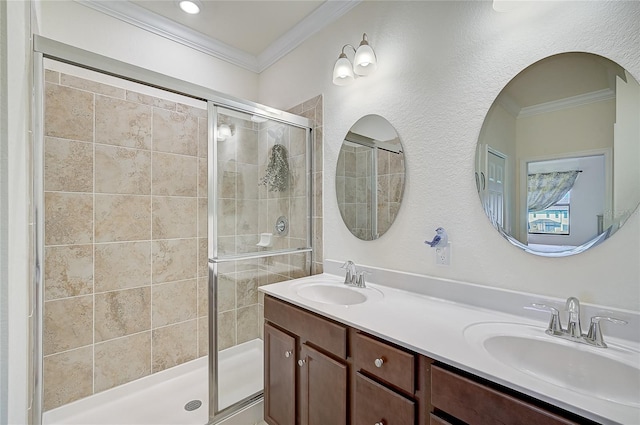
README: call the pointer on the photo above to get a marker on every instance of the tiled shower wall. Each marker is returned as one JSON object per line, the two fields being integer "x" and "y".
{"x": 247, "y": 208}
{"x": 353, "y": 188}
{"x": 390, "y": 187}
{"x": 125, "y": 236}
{"x": 313, "y": 110}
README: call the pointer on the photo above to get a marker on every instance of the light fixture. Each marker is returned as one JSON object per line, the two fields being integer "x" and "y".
{"x": 364, "y": 63}
{"x": 192, "y": 7}
{"x": 224, "y": 132}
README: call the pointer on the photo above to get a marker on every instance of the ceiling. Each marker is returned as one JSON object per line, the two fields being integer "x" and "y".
{"x": 252, "y": 34}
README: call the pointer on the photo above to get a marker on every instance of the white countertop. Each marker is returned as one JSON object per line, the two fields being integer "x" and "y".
{"x": 435, "y": 328}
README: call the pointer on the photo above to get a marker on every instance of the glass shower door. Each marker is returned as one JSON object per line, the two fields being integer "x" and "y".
{"x": 260, "y": 218}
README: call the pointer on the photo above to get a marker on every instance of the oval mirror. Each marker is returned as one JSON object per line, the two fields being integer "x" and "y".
{"x": 558, "y": 156}
{"x": 370, "y": 177}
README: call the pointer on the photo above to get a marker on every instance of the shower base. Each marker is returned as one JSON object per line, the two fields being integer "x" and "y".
{"x": 160, "y": 399}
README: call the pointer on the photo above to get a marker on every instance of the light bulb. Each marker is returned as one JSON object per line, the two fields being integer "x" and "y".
{"x": 224, "y": 132}
{"x": 365, "y": 62}
{"x": 342, "y": 71}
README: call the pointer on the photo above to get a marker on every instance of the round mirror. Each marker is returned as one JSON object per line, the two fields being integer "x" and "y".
{"x": 558, "y": 157}
{"x": 370, "y": 177}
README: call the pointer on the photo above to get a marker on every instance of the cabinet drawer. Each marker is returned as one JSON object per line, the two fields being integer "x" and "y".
{"x": 389, "y": 364}
{"x": 435, "y": 420}
{"x": 475, "y": 403}
{"x": 378, "y": 404}
{"x": 320, "y": 332}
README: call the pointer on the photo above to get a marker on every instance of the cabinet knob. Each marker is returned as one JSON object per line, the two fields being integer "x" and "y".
{"x": 287, "y": 354}
{"x": 301, "y": 362}
{"x": 379, "y": 423}
{"x": 378, "y": 362}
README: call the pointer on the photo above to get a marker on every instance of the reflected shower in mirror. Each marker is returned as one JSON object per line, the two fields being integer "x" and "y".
{"x": 370, "y": 177}
{"x": 557, "y": 160}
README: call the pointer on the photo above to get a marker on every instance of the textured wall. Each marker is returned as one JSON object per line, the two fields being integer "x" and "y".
{"x": 441, "y": 65}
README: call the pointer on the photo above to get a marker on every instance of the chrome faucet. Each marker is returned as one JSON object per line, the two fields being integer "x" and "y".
{"x": 573, "y": 326}
{"x": 352, "y": 276}
{"x": 574, "y": 330}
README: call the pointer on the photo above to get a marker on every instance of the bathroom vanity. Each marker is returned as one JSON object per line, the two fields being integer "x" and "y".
{"x": 332, "y": 373}
{"x": 336, "y": 364}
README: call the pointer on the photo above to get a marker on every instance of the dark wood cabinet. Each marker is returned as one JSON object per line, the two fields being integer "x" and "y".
{"x": 393, "y": 366}
{"x": 306, "y": 372}
{"x": 323, "y": 388}
{"x": 279, "y": 376}
{"x": 476, "y": 404}
{"x": 377, "y": 404}
{"x": 321, "y": 372}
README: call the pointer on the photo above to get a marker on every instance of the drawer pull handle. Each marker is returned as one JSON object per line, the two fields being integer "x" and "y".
{"x": 287, "y": 354}
{"x": 379, "y": 362}
{"x": 301, "y": 362}
{"x": 379, "y": 423}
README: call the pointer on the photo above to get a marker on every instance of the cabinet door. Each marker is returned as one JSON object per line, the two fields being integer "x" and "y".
{"x": 377, "y": 404}
{"x": 323, "y": 389}
{"x": 279, "y": 377}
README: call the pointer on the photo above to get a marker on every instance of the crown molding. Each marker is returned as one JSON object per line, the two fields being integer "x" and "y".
{"x": 569, "y": 102}
{"x": 325, "y": 14}
{"x": 142, "y": 18}
{"x": 510, "y": 105}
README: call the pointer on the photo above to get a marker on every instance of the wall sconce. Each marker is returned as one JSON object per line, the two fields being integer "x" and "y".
{"x": 364, "y": 63}
{"x": 224, "y": 132}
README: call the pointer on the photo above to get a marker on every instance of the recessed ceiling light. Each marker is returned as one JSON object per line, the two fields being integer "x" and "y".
{"x": 191, "y": 7}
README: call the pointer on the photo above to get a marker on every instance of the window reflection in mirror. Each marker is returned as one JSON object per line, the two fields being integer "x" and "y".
{"x": 370, "y": 177}
{"x": 569, "y": 113}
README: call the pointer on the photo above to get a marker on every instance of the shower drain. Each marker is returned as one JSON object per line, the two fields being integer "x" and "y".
{"x": 192, "y": 405}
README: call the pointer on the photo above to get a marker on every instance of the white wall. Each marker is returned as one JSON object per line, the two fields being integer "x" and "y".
{"x": 441, "y": 65}
{"x": 19, "y": 89}
{"x": 72, "y": 23}
{"x": 626, "y": 149}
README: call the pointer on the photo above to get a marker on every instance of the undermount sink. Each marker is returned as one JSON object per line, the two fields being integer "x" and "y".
{"x": 336, "y": 293}
{"x": 611, "y": 373}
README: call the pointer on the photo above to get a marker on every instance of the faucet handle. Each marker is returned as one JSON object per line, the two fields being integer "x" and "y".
{"x": 360, "y": 280}
{"x": 555, "y": 327}
{"x": 595, "y": 332}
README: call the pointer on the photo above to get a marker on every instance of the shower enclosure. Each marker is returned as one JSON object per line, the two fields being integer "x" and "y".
{"x": 260, "y": 233}
{"x": 160, "y": 208}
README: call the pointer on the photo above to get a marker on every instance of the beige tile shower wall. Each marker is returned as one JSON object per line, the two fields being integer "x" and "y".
{"x": 238, "y": 211}
{"x": 313, "y": 110}
{"x": 390, "y": 187}
{"x": 125, "y": 236}
{"x": 243, "y": 199}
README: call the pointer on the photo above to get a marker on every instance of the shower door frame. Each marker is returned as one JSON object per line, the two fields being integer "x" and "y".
{"x": 44, "y": 48}
{"x": 215, "y": 414}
